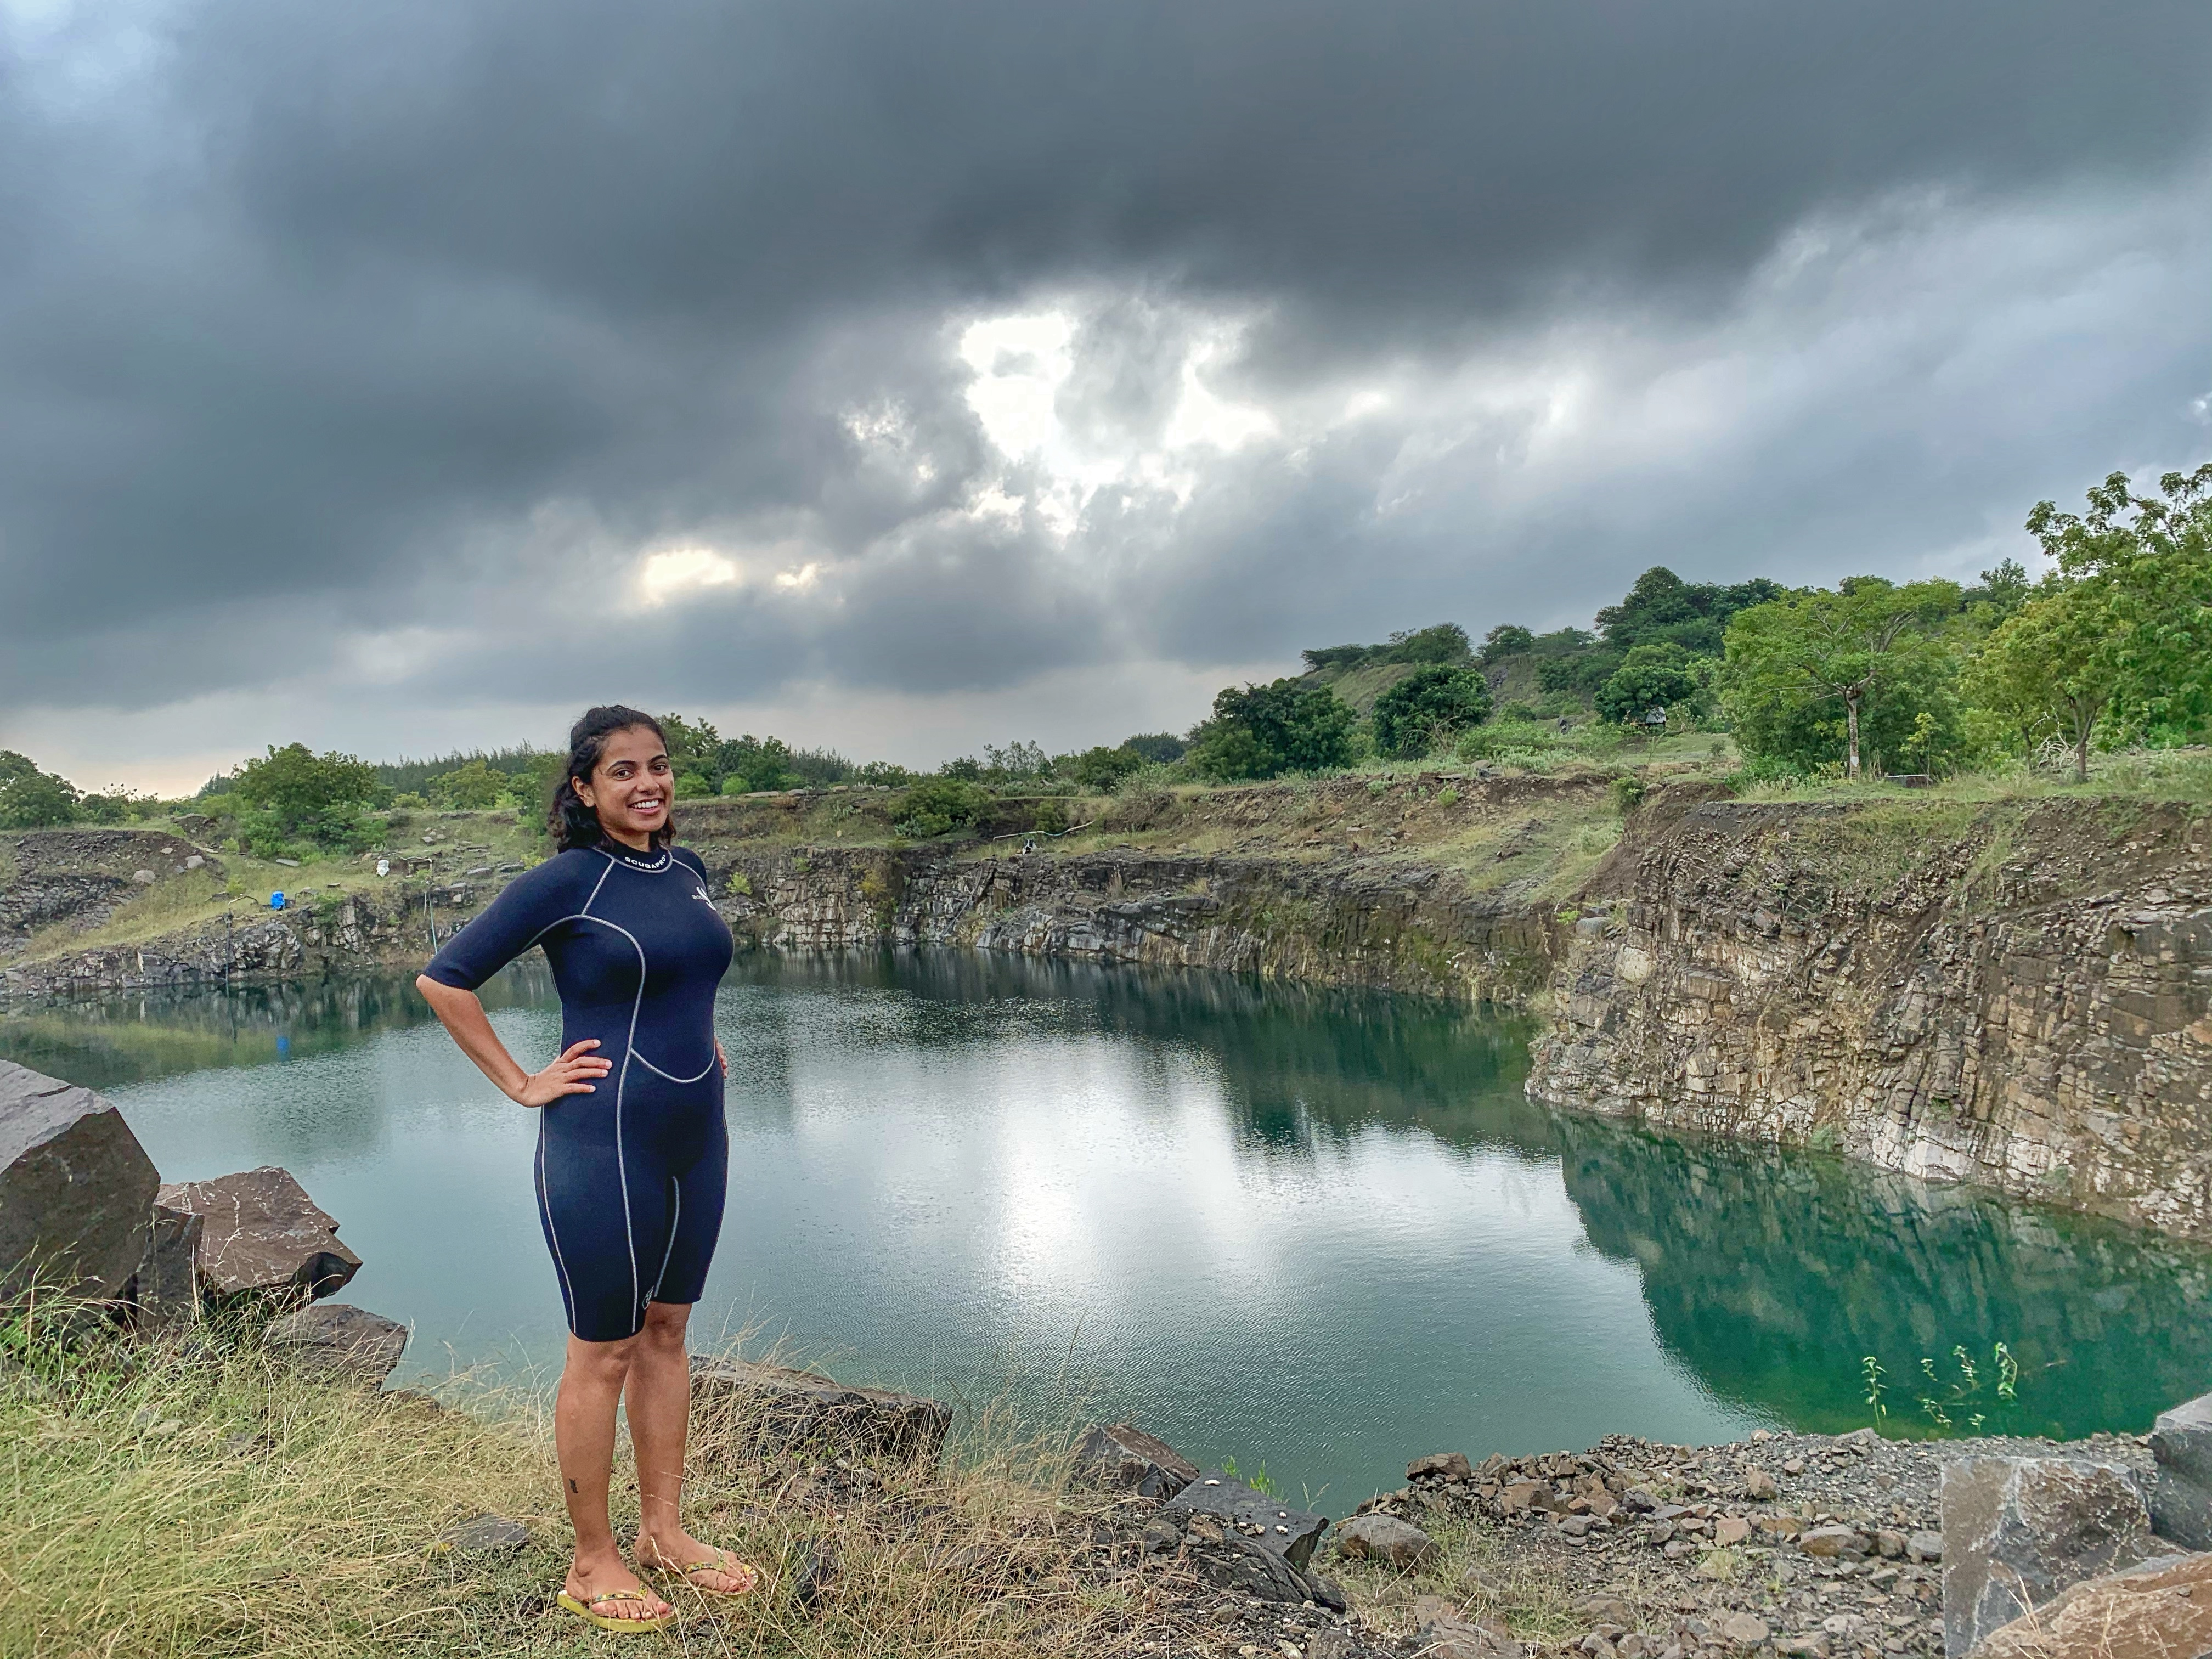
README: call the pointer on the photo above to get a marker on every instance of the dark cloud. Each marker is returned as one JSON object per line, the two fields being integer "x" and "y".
{"x": 323, "y": 328}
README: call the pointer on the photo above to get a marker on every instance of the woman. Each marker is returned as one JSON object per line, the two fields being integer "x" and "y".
{"x": 633, "y": 1153}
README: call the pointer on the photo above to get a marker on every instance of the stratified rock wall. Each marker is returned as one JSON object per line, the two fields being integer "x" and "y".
{"x": 1395, "y": 927}
{"x": 2016, "y": 995}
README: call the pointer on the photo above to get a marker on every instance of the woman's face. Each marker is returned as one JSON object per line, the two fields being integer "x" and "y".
{"x": 630, "y": 787}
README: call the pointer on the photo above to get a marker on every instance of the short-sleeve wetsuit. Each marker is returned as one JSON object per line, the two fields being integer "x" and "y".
{"x": 631, "y": 1177}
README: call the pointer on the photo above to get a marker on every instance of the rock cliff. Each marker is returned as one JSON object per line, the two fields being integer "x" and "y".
{"x": 2015, "y": 994}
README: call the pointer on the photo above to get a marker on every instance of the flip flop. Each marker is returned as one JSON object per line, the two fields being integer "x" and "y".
{"x": 582, "y": 1608}
{"x": 724, "y": 1562}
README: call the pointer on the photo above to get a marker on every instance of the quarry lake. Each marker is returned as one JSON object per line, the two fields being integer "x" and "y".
{"x": 1318, "y": 1232}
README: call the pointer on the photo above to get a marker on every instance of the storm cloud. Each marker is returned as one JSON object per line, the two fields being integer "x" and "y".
{"x": 911, "y": 374}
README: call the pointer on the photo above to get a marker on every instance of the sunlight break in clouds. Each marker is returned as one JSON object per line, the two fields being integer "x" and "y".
{"x": 681, "y": 570}
{"x": 1027, "y": 365}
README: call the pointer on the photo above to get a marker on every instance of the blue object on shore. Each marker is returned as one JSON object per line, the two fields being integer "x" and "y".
{"x": 276, "y": 901}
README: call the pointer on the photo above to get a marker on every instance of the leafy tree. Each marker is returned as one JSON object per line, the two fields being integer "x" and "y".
{"x": 1428, "y": 706}
{"x": 1649, "y": 676}
{"x": 1445, "y": 643}
{"x": 2003, "y": 591}
{"x": 2052, "y": 667}
{"x": 1506, "y": 639}
{"x": 292, "y": 792}
{"x": 2153, "y": 558}
{"x": 1159, "y": 748}
{"x": 936, "y": 805}
{"x": 1101, "y": 768}
{"x": 1794, "y": 654}
{"x": 474, "y": 786}
{"x": 30, "y": 798}
{"x": 1662, "y": 609}
{"x": 1264, "y": 731}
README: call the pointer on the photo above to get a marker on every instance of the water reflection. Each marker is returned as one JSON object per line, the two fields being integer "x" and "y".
{"x": 1323, "y": 1229}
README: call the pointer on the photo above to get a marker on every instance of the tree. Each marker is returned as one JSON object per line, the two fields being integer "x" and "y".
{"x": 1160, "y": 748}
{"x": 1649, "y": 676}
{"x": 2153, "y": 558}
{"x": 475, "y": 785}
{"x": 30, "y": 798}
{"x": 1818, "y": 647}
{"x": 1506, "y": 639}
{"x": 2051, "y": 665}
{"x": 298, "y": 792}
{"x": 1264, "y": 731}
{"x": 938, "y": 805}
{"x": 1101, "y": 768}
{"x": 1428, "y": 705}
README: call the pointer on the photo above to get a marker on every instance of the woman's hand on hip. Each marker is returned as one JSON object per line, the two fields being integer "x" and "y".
{"x": 720, "y": 1056}
{"x": 571, "y": 1075}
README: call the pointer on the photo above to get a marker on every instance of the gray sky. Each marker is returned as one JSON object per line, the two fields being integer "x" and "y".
{"x": 903, "y": 377}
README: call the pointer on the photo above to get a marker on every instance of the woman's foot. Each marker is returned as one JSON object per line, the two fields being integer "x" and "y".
{"x": 610, "y": 1590}
{"x": 722, "y": 1573}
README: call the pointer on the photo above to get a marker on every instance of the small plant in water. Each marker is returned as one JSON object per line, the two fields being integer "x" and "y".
{"x": 1953, "y": 1400}
{"x": 1258, "y": 1480}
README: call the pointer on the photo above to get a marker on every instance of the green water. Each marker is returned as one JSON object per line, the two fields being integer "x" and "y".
{"x": 1319, "y": 1231}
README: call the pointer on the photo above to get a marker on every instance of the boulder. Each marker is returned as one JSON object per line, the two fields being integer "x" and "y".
{"x": 339, "y": 1341}
{"x": 261, "y": 1235}
{"x": 1386, "y": 1539}
{"x": 1440, "y": 1466}
{"x": 773, "y": 1407}
{"x": 76, "y": 1187}
{"x": 2161, "y": 1609}
{"x": 2181, "y": 1497}
{"x": 1244, "y": 1512}
{"x": 2018, "y": 1530}
{"x": 1122, "y": 1458}
{"x": 168, "y": 1281}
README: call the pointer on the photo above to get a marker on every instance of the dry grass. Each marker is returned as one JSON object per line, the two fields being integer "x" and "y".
{"x": 1473, "y": 1570}
{"x": 191, "y": 1503}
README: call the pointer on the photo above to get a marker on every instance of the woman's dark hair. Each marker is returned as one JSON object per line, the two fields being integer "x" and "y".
{"x": 574, "y": 824}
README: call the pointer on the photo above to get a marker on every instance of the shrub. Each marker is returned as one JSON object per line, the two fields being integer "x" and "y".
{"x": 1264, "y": 730}
{"x": 937, "y": 805}
{"x": 1428, "y": 707}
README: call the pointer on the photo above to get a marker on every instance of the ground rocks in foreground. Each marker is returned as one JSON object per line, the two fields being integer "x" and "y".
{"x": 1797, "y": 1546}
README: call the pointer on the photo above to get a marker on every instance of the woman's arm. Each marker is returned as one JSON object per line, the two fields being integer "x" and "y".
{"x": 461, "y": 1012}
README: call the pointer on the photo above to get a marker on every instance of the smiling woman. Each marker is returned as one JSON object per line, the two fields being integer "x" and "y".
{"x": 631, "y": 1177}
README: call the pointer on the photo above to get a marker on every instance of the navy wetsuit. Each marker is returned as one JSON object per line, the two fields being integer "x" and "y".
{"x": 631, "y": 1177}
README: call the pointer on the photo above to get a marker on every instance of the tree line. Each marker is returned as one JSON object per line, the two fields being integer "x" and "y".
{"x": 2110, "y": 646}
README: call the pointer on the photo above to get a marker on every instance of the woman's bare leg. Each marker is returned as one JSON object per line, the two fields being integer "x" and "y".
{"x": 584, "y": 1440}
{"x": 659, "y": 1401}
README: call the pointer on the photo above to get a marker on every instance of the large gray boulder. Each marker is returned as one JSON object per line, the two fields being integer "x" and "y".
{"x": 76, "y": 1187}
{"x": 168, "y": 1283}
{"x": 2017, "y": 1531}
{"x": 261, "y": 1235}
{"x": 2181, "y": 1497}
{"x": 338, "y": 1341}
{"x": 764, "y": 1408}
{"x": 1242, "y": 1511}
{"x": 1122, "y": 1458}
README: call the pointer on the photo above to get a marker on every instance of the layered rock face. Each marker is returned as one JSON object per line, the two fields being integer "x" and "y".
{"x": 2016, "y": 996}
{"x": 1400, "y": 926}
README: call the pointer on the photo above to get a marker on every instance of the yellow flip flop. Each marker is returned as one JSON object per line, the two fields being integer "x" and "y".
{"x": 725, "y": 1562}
{"x": 582, "y": 1608}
